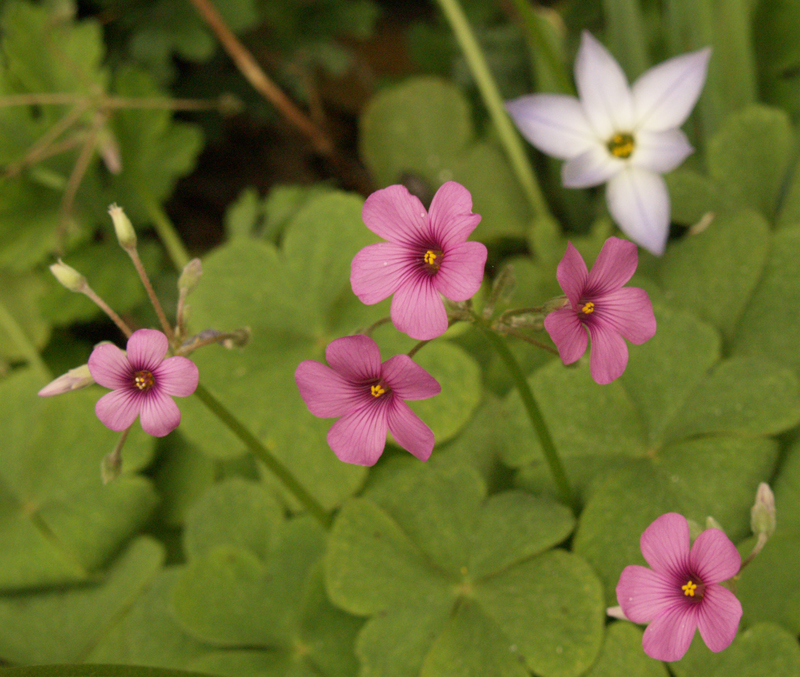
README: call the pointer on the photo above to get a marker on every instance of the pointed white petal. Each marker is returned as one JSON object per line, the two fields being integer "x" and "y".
{"x": 603, "y": 88}
{"x": 664, "y": 96}
{"x": 553, "y": 123}
{"x": 639, "y": 202}
{"x": 661, "y": 152}
{"x": 591, "y": 168}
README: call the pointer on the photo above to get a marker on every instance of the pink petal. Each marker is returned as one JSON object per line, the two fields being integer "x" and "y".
{"x": 408, "y": 380}
{"x": 615, "y": 265}
{"x": 418, "y": 310}
{"x": 638, "y": 201}
{"x": 360, "y": 436}
{"x": 567, "y": 333}
{"x": 118, "y": 409}
{"x": 146, "y": 349}
{"x": 357, "y": 358}
{"x": 713, "y": 557}
{"x": 661, "y": 152}
{"x": 628, "y": 312}
{"x": 572, "y": 274}
{"x": 159, "y": 415}
{"x": 665, "y": 544}
{"x": 668, "y": 637}
{"x": 461, "y": 272}
{"x": 718, "y": 618}
{"x": 451, "y": 217}
{"x": 643, "y": 594}
{"x": 395, "y": 215}
{"x": 378, "y": 270}
{"x": 409, "y": 431}
{"x": 177, "y": 376}
{"x": 109, "y": 367}
{"x": 591, "y": 168}
{"x": 609, "y": 355}
{"x": 327, "y": 393}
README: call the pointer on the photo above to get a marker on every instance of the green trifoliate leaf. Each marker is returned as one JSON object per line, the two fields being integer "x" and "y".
{"x": 622, "y": 654}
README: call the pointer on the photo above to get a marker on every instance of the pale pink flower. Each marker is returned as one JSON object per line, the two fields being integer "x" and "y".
{"x": 599, "y": 306}
{"x": 142, "y": 382}
{"x": 682, "y": 591}
{"x": 427, "y": 254}
{"x": 370, "y": 398}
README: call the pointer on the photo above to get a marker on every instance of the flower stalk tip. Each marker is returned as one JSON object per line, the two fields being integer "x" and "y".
{"x": 69, "y": 277}
{"x": 123, "y": 227}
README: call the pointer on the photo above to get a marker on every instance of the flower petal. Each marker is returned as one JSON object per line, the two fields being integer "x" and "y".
{"x": 409, "y": 431}
{"x": 360, "y": 436}
{"x": 118, "y": 409}
{"x": 718, "y": 618}
{"x": 714, "y": 558}
{"x": 627, "y": 312}
{"x": 357, "y": 358}
{"x": 408, "y": 380}
{"x": 603, "y": 89}
{"x": 639, "y": 202}
{"x": 643, "y": 594}
{"x": 664, "y": 96}
{"x": 378, "y": 270}
{"x": 109, "y": 367}
{"x": 327, "y": 393}
{"x": 461, "y": 272}
{"x": 177, "y": 376}
{"x": 609, "y": 355}
{"x": 451, "y": 217}
{"x": 146, "y": 349}
{"x": 418, "y": 310}
{"x": 668, "y": 637}
{"x": 553, "y": 123}
{"x": 615, "y": 265}
{"x": 395, "y": 215}
{"x": 159, "y": 415}
{"x": 567, "y": 333}
{"x": 661, "y": 152}
{"x": 572, "y": 274}
{"x": 665, "y": 544}
{"x": 591, "y": 168}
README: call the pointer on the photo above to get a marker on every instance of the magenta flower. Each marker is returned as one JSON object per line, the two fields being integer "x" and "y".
{"x": 682, "y": 592}
{"x": 427, "y": 254}
{"x": 142, "y": 383}
{"x": 370, "y": 398}
{"x": 599, "y": 305}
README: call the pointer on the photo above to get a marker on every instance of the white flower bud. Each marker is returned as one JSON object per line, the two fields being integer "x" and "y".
{"x": 762, "y": 514}
{"x": 190, "y": 276}
{"x": 69, "y": 277}
{"x": 123, "y": 227}
{"x": 74, "y": 379}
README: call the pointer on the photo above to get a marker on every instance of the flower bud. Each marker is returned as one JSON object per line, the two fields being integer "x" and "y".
{"x": 711, "y": 523}
{"x": 74, "y": 379}
{"x": 190, "y": 276}
{"x": 694, "y": 529}
{"x": 123, "y": 227}
{"x": 556, "y": 303}
{"x": 762, "y": 514}
{"x": 69, "y": 277}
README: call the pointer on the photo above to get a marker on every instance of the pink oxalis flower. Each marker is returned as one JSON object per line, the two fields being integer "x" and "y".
{"x": 370, "y": 396}
{"x": 142, "y": 382}
{"x": 427, "y": 254}
{"x": 600, "y": 306}
{"x": 682, "y": 591}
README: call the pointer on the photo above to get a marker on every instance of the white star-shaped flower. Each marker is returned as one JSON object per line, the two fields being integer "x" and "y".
{"x": 625, "y": 136}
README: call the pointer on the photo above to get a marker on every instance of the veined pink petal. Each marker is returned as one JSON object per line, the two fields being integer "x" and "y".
{"x": 567, "y": 333}
{"x": 665, "y": 543}
{"x": 146, "y": 349}
{"x": 714, "y": 558}
{"x": 461, "y": 272}
{"x": 629, "y": 312}
{"x": 378, "y": 270}
{"x": 609, "y": 355}
{"x": 668, "y": 637}
{"x": 360, "y": 436}
{"x": 409, "y": 431}
{"x": 451, "y": 217}
{"x": 664, "y": 96}
{"x": 572, "y": 274}
{"x": 118, "y": 409}
{"x": 357, "y": 358}
{"x": 408, "y": 380}
{"x": 159, "y": 414}
{"x": 603, "y": 89}
{"x": 177, "y": 376}
{"x": 395, "y": 214}
{"x": 109, "y": 367}
{"x": 718, "y": 617}
{"x": 639, "y": 202}
{"x": 615, "y": 265}
{"x": 591, "y": 168}
{"x": 418, "y": 310}
{"x": 643, "y": 594}
{"x": 660, "y": 152}
{"x": 327, "y": 393}
{"x": 553, "y": 123}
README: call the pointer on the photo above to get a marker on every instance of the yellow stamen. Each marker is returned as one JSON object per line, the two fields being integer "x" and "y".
{"x": 588, "y": 307}
{"x": 621, "y": 145}
{"x": 430, "y": 258}
{"x": 377, "y": 390}
{"x": 688, "y": 589}
{"x": 143, "y": 380}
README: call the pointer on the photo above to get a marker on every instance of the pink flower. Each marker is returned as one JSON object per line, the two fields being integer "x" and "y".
{"x": 142, "y": 382}
{"x": 599, "y": 305}
{"x": 682, "y": 592}
{"x": 370, "y": 398}
{"x": 426, "y": 255}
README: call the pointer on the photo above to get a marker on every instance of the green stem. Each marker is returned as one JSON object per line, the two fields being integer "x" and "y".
{"x": 534, "y": 414}
{"x": 263, "y": 454}
{"x": 18, "y": 336}
{"x": 165, "y": 230}
{"x": 494, "y": 103}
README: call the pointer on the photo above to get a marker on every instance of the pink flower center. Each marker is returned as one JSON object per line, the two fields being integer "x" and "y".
{"x": 144, "y": 380}
{"x": 431, "y": 260}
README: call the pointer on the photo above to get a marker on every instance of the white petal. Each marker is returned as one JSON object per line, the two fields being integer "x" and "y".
{"x": 661, "y": 152}
{"x": 664, "y": 96}
{"x": 554, "y": 123}
{"x": 639, "y": 202}
{"x": 603, "y": 88}
{"x": 591, "y": 168}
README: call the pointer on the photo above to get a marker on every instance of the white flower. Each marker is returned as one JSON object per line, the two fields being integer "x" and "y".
{"x": 626, "y": 136}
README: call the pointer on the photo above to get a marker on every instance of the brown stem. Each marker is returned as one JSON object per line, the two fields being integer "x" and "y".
{"x": 116, "y": 319}
{"x": 45, "y": 98}
{"x": 368, "y": 331}
{"x": 162, "y": 318}
{"x": 527, "y": 339}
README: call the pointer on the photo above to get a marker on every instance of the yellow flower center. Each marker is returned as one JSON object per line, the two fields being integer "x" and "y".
{"x": 588, "y": 308}
{"x": 688, "y": 589}
{"x": 377, "y": 390}
{"x": 430, "y": 258}
{"x": 621, "y": 145}
{"x": 143, "y": 380}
